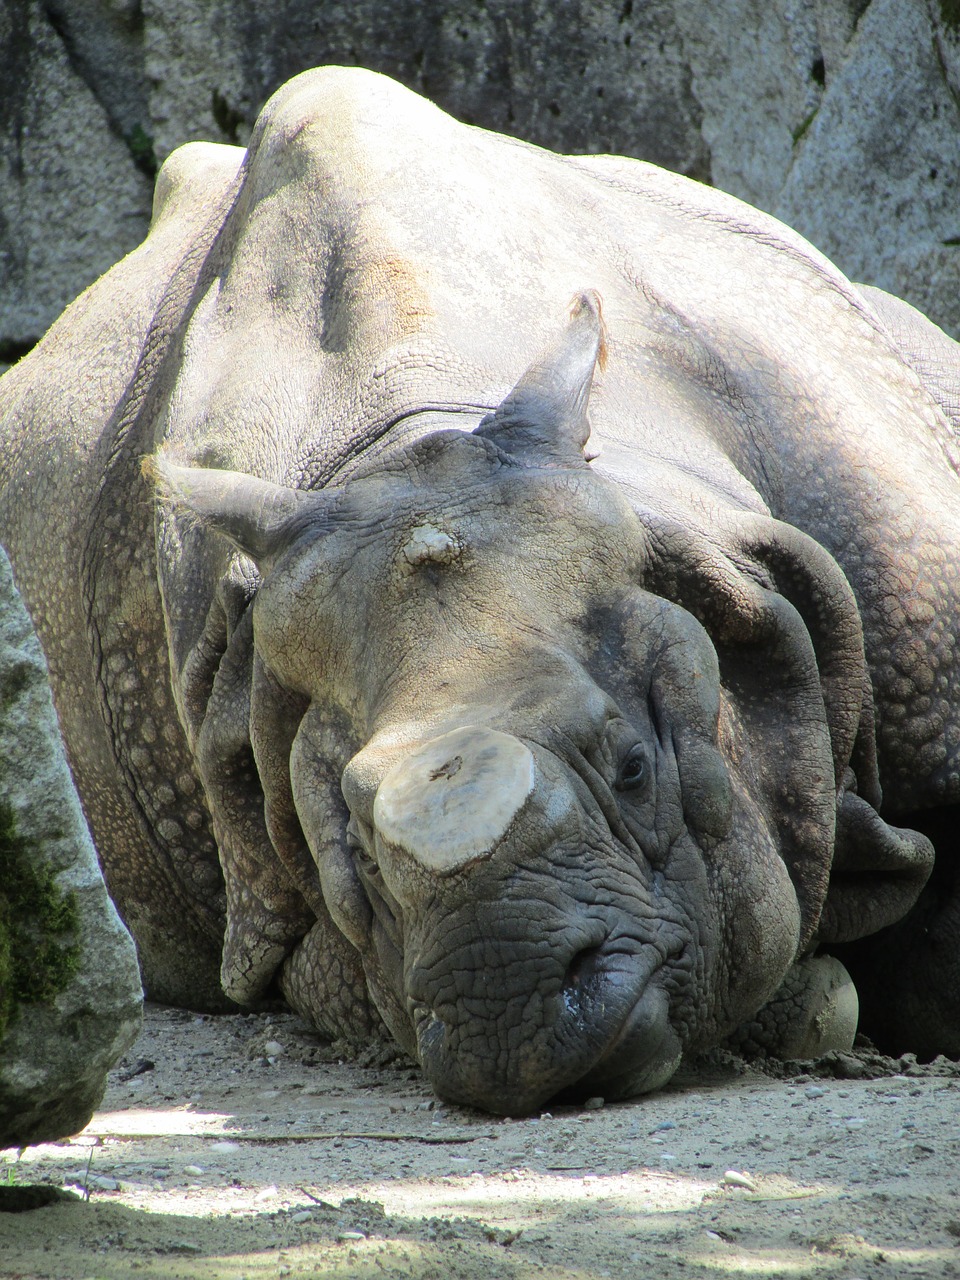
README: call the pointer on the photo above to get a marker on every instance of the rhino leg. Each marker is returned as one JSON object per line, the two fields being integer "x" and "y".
{"x": 814, "y": 1011}
{"x": 323, "y": 980}
{"x": 908, "y": 975}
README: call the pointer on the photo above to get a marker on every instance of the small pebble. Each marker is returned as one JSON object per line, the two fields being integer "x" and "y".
{"x": 351, "y": 1235}
{"x": 273, "y": 1047}
{"x": 663, "y": 1126}
{"x": 100, "y": 1182}
{"x": 224, "y": 1146}
{"x": 593, "y": 1104}
{"x": 304, "y": 1215}
{"x": 734, "y": 1179}
{"x": 813, "y": 1091}
{"x": 194, "y": 1170}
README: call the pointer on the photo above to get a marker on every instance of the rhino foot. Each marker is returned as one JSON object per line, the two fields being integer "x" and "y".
{"x": 814, "y": 1011}
{"x": 323, "y": 980}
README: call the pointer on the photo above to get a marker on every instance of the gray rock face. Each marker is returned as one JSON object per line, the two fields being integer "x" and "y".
{"x": 70, "y": 1000}
{"x": 572, "y": 77}
{"x": 875, "y": 179}
{"x": 72, "y": 199}
{"x": 839, "y": 116}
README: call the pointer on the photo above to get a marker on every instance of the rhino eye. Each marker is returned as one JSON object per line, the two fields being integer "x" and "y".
{"x": 362, "y": 859}
{"x": 635, "y": 770}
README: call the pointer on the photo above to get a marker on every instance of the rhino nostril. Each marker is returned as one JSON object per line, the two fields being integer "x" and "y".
{"x": 582, "y": 970}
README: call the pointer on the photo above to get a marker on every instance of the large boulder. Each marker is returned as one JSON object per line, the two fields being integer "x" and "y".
{"x": 70, "y": 999}
{"x": 839, "y": 116}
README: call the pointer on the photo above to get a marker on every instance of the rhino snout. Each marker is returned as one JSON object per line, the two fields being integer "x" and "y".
{"x": 597, "y": 1022}
{"x": 449, "y": 803}
{"x": 517, "y": 985}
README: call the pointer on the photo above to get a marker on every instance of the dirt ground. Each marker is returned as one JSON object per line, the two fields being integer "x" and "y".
{"x": 242, "y": 1147}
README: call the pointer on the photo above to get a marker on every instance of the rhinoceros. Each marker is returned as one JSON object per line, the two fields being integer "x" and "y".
{"x": 504, "y": 602}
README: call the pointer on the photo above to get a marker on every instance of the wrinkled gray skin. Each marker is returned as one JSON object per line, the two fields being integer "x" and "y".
{"x": 399, "y": 704}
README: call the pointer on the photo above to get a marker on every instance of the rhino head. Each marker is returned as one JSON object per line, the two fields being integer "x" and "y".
{"x": 563, "y": 775}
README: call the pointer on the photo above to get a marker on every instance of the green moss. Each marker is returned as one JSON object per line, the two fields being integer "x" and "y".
{"x": 39, "y": 951}
{"x": 15, "y": 678}
{"x": 801, "y": 130}
{"x": 140, "y": 145}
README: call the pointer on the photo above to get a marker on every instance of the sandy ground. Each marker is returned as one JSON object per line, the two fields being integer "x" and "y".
{"x": 241, "y": 1147}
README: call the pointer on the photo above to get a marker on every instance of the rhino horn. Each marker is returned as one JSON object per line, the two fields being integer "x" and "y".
{"x": 544, "y": 418}
{"x": 254, "y": 514}
{"x": 449, "y": 803}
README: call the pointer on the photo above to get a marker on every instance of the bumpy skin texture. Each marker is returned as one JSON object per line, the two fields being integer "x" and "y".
{"x": 682, "y": 697}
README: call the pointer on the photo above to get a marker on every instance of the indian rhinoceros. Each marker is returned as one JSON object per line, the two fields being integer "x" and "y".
{"x": 557, "y": 745}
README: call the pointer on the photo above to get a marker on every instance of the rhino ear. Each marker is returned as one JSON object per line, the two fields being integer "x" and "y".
{"x": 254, "y": 514}
{"x": 544, "y": 418}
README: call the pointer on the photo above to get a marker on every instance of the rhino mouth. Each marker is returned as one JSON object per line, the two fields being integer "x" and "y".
{"x": 641, "y": 1057}
{"x": 607, "y": 1031}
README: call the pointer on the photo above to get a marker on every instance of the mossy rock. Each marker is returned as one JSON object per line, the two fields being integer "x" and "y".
{"x": 70, "y": 999}
{"x": 39, "y": 946}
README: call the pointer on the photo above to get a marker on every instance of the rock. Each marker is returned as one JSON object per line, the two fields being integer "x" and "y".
{"x": 72, "y": 197}
{"x": 100, "y": 1182}
{"x": 70, "y": 1000}
{"x": 563, "y": 76}
{"x": 873, "y": 182}
{"x": 845, "y": 1066}
{"x": 751, "y": 118}
{"x": 841, "y": 117}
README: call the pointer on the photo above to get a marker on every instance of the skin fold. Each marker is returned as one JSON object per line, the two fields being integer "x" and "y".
{"x": 503, "y": 602}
